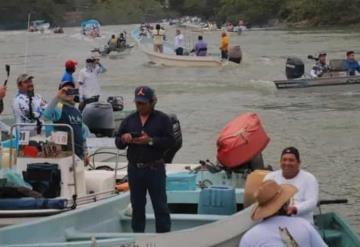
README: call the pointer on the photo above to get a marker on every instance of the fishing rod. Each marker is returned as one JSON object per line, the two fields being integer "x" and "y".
{"x": 7, "y": 69}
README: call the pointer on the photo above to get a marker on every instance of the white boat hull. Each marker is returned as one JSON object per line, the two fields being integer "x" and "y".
{"x": 181, "y": 61}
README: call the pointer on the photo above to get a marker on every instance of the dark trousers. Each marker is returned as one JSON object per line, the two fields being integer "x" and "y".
{"x": 88, "y": 101}
{"x": 224, "y": 54}
{"x": 179, "y": 51}
{"x": 152, "y": 180}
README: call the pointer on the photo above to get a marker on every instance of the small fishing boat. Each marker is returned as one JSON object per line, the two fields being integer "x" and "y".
{"x": 39, "y": 26}
{"x": 181, "y": 61}
{"x": 90, "y": 28}
{"x": 336, "y": 76}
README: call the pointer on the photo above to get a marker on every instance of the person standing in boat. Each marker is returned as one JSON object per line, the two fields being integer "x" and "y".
{"x": 89, "y": 82}
{"x": 275, "y": 227}
{"x": 351, "y": 64}
{"x": 158, "y": 38}
{"x": 224, "y": 45}
{"x": 306, "y": 199}
{"x": 179, "y": 43}
{"x": 62, "y": 110}
{"x": 121, "y": 41}
{"x": 70, "y": 67}
{"x": 200, "y": 48}
{"x": 28, "y": 107}
{"x": 147, "y": 134}
{"x": 320, "y": 67}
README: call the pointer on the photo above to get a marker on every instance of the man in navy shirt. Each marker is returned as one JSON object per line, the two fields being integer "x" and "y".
{"x": 351, "y": 63}
{"x": 147, "y": 133}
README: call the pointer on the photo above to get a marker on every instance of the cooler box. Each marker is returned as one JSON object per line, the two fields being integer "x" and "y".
{"x": 180, "y": 181}
{"x": 219, "y": 200}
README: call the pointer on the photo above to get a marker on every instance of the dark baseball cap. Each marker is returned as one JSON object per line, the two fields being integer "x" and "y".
{"x": 144, "y": 94}
{"x": 65, "y": 83}
{"x": 291, "y": 150}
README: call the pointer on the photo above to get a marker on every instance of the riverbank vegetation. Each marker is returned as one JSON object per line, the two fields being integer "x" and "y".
{"x": 312, "y": 13}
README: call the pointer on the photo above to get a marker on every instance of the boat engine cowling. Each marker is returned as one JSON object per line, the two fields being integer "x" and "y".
{"x": 294, "y": 68}
{"x": 235, "y": 54}
{"x": 170, "y": 153}
{"x": 117, "y": 102}
{"x": 99, "y": 117}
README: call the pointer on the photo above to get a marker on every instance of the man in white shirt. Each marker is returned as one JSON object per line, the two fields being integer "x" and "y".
{"x": 179, "y": 43}
{"x": 306, "y": 199}
{"x": 276, "y": 228}
{"x": 28, "y": 107}
{"x": 158, "y": 35}
{"x": 89, "y": 88}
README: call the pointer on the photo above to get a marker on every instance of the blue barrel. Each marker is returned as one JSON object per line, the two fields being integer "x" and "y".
{"x": 219, "y": 200}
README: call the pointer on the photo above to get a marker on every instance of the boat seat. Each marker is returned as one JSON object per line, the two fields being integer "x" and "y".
{"x": 331, "y": 236}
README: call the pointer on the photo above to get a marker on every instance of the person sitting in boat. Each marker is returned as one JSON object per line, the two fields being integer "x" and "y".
{"x": 158, "y": 38}
{"x": 306, "y": 199}
{"x": 121, "y": 41}
{"x": 28, "y": 107}
{"x": 112, "y": 43}
{"x": 62, "y": 110}
{"x": 200, "y": 48}
{"x": 320, "y": 67}
{"x": 351, "y": 64}
{"x": 275, "y": 227}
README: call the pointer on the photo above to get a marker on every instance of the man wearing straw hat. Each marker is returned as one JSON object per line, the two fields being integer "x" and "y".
{"x": 276, "y": 228}
{"x": 306, "y": 199}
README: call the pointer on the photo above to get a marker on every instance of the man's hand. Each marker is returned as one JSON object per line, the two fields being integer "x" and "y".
{"x": 126, "y": 138}
{"x": 292, "y": 210}
{"x": 62, "y": 93}
{"x": 143, "y": 139}
{"x": 86, "y": 160}
{"x": 2, "y": 91}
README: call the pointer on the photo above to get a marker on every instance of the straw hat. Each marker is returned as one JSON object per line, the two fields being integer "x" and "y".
{"x": 252, "y": 184}
{"x": 270, "y": 198}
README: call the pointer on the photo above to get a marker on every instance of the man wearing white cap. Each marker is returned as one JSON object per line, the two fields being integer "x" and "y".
{"x": 27, "y": 106}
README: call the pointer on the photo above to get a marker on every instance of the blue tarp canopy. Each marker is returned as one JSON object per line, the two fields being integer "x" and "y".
{"x": 90, "y": 22}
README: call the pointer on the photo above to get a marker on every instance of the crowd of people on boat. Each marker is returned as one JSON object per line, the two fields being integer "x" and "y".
{"x": 200, "y": 48}
{"x": 349, "y": 65}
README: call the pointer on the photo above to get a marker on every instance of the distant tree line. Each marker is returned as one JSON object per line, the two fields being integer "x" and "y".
{"x": 14, "y": 13}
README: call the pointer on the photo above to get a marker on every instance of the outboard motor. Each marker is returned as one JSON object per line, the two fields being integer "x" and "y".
{"x": 170, "y": 153}
{"x": 235, "y": 54}
{"x": 99, "y": 118}
{"x": 294, "y": 68}
{"x": 117, "y": 102}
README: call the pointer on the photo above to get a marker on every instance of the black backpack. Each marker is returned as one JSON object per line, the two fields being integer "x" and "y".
{"x": 45, "y": 178}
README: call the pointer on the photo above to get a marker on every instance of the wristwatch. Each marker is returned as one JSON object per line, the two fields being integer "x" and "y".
{"x": 151, "y": 142}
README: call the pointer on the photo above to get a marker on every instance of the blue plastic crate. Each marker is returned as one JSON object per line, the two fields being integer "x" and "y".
{"x": 181, "y": 181}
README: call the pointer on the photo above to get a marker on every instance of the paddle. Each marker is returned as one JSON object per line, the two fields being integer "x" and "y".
{"x": 7, "y": 68}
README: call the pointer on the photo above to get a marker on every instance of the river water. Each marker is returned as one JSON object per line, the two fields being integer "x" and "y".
{"x": 323, "y": 123}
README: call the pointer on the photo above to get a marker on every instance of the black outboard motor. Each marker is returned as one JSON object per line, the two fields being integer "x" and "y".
{"x": 99, "y": 118}
{"x": 294, "y": 68}
{"x": 117, "y": 102}
{"x": 235, "y": 54}
{"x": 170, "y": 153}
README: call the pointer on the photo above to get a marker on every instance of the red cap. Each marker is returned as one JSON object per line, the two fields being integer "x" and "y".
{"x": 70, "y": 64}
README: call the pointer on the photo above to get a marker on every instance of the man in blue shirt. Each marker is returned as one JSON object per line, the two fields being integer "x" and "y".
{"x": 62, "y": 110}
{"x": 200, "y": 48}
{"x": 70, "y": 67}
{"x": 147, "y": 134}
{"x": 351, "y": 64}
